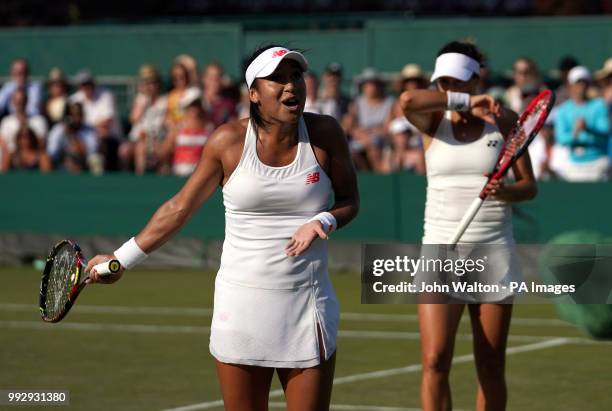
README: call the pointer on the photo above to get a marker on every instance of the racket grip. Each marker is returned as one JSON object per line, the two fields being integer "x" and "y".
{"x": 107, "y": 268}
{"x": 465, "y": 221}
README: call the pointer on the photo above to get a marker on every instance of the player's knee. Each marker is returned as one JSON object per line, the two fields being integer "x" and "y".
{"x": 491, "y": 369}
{"x": 436, "y": 362}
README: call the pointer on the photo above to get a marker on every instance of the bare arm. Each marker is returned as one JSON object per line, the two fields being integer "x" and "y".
{"x": 5, "y": 156}
{"x": 342, "y": 175}
{"x": 424, "y": 108}
{"x": 177, "y": 211}
{"x": 138, "y": 109}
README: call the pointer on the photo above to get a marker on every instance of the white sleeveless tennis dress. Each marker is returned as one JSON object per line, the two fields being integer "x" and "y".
{"x": 267, "y": 305}
{"x": 455, "y": 176}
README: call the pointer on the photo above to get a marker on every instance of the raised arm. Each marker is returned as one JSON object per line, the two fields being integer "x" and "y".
{"x": 177, "y": 211}
{"x": 424, "y": 108}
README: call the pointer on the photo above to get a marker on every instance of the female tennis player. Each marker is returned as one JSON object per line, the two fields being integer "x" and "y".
{"x": 274, "y": 306}
{"x": 463, "y": 134}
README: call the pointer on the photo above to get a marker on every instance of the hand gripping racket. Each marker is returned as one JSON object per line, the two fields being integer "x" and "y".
{"x": 64, "y": 278}
{"x": 523, "y": 133}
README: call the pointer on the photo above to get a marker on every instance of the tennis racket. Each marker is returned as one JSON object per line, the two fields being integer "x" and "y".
{"x": 64, "y": 278}
{"x": 523, "y": 133}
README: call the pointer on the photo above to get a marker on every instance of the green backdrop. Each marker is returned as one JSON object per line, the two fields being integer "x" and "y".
{"x": 386, "y": 44}
{"x": 391, "y": 207}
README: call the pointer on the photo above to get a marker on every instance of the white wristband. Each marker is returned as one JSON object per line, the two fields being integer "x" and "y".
{"x": 457, "y": 101}
{"x": 327, "y": 220}
{"x": 130, "y": 254}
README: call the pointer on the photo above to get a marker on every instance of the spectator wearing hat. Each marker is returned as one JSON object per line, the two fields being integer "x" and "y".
{"x": 582, "y": 125}
{"x": 407, "y": 149}
{"x": 412, "y": 78}
{"x": 20, "y": 79}
{"x": 184, "y": 145}
{"x": 604, "y": 79}
{"x": 179, "y": 77}
{"x": 191, "y": 65}
{"x": 57, "y": 96}
{"x": 147, "y": 119}
{"x": 72, "y": 144}
{"x": 332, "y": 101}
{"x": 365, "y": 121}
{"x": 100, "y": 112}
{"x": 13, "y": 123}
{"x": 219, "y": 108}
{"x": 565, "y": 65}
{"x": 526, "y": 75}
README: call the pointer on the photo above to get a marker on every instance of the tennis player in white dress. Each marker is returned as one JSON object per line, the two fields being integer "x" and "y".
{"x": 463, "y": 134}
{"x": 274, "y": 305}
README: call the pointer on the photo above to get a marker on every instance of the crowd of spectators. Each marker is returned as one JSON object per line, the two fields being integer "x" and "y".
{"x": 46, "y": 127}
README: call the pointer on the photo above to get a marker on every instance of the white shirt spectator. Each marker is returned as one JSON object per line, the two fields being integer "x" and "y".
{"x": 58, "y": 140}
{"x": 100, "y": 109}
{"x": 10, "y": 126}
{"x": 152, "y": 120}
{"x": 539, "y": 155}
{"x": 312, "y": 106}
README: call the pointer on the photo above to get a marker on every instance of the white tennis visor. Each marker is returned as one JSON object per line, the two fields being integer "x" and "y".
{"x": 455, "y": 65}
{"x": 266, "y": 63}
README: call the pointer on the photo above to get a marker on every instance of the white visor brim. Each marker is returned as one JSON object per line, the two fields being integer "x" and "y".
{"x": 268, "y": 61}
{"x": 455, "y": 65}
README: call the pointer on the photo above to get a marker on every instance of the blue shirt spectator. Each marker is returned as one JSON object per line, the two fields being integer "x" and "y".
{"x": 20, "y": 73}
{"x": 582, "y": 128}
{"x": 582, "y": 124}
{"x": 591, "y": 141}
{"x": 72, "y": 144}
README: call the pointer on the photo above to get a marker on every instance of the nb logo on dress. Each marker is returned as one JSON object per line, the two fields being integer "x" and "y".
{"x": 312, "y": 178}
{"x": 492, "y": 143}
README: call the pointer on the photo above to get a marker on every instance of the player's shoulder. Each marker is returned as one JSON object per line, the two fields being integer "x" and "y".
{"x": 229, "y": 134}
{"x": 324, "y": 130}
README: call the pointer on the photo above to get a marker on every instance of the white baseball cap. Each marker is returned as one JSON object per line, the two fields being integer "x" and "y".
{"x": 190, "y": 96}
{"x": 455, "y": 65}
{"x": 401, "y": 125}
{"x": 578, "y": 73}
{"x": 268, "y": 60}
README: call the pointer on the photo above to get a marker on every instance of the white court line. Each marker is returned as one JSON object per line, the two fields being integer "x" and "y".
{"x": 207, "y": 312}
{"x": 138, "y": 328}
{"x": 345, "y": 407}
{"x": 194, "y": 329}
{"x": 391, "y": 372}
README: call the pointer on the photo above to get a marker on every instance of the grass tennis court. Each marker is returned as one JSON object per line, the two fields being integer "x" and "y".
{"x": 142, "y": 344}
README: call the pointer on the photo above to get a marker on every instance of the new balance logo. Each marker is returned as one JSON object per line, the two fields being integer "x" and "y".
{"x": 279, "y": 53}
{"x": 312, "y": 178}
{"x": 492, "y": 143}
